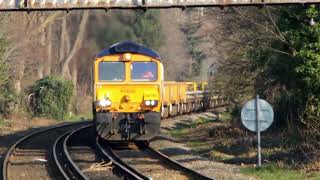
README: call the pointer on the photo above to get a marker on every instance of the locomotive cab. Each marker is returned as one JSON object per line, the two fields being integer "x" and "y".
{"x": 128, "y": 85}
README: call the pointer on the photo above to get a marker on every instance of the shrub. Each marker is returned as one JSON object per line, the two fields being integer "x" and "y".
{"x": 50, "y": 97}
{"x": 7, "y": 97}
{"x": 7, "y": 100}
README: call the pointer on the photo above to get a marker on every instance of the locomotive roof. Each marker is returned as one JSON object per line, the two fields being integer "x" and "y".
{"x": 128, "y": 47}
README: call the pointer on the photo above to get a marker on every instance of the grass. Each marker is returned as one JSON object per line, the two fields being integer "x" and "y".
{"x": 196, "y": 143}
{"x": 182, "y": 128}
{"x": 219, "y": 156}
{"x": 231, "y": 145}
{"x": 178, "y": 133}
{"x": 225, "y": 116}
{"x": 3, "y": 122}
{"x": 273, "y": 171}
{"x": 198, "y": 146}
{"x": 200, "y": 121}
{"x": 72, "y": 117}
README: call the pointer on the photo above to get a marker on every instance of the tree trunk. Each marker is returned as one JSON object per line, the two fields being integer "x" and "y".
{"x": 40, "y": 69}
{"x": 62, "y": 39}
{"x": 76, "y": 45}
{"x": 75, "y": 79}
{"x": 49, "y": 51}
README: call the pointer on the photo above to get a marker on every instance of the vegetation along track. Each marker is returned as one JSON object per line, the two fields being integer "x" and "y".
{"x": 145, "y": 163}
{"x": 30, "y": 157}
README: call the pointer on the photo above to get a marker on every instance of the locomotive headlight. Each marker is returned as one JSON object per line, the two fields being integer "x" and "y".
{"x": 151, "y": 102}
{"x": 127, "y": 57}
{"x": 147, "y": 102}
{"x": 105, "y": 102}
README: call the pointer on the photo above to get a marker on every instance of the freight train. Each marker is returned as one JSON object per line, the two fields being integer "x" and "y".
{"x": 131, "y": 97}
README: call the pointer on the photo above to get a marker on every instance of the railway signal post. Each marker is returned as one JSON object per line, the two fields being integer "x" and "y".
{"x": 257, "y": 115}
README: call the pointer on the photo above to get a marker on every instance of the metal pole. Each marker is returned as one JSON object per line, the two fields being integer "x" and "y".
{"x": 258, "y": 130}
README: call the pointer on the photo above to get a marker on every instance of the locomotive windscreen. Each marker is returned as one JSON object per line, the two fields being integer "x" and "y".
{"x": 144, "y": 71}
{"x": 111, "y": 71}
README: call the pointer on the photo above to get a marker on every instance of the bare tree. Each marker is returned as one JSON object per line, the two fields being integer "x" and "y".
{"x": 49, "y": 50}
{"x": 79, "y": 38}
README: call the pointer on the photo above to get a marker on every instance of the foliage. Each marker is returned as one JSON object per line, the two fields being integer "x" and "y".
{"x": 233, "y": 37}
{"x": 50, "y": 96}
{"x": 7, "y": 99}
{"x": 4, "y": 68}
{"x": 275, "y": 172}
{"x": 7, "y": 96}
{"x": 274, "y": 52}
{"x": 147, "y": 28}
{"x": 193, "y": 41}
{"x": 138, "y": 26}
{"x": 72, "y": 117}
{"x": 293, "y": 71}
{"x": 304, "y": 44}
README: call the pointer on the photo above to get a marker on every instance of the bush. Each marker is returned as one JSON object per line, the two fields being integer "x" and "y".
{"x": 7, "y": 96}
{"x": 7, "y": 100}
{"x": 50, "y": 97}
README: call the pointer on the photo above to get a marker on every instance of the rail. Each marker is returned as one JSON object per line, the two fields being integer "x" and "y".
{"x": 67, "y": 167}
{"x": 174, "y": 164}
{"x": 29, "y": 5}
{"x": 6, "y": 160}
{"x": 107, "y": 154}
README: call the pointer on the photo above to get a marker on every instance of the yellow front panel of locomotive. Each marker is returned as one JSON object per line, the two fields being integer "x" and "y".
{"x": 128, "y": 95}
{"x": 129, "y": 98}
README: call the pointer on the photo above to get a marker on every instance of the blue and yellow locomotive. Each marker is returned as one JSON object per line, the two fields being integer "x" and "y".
{"x": 128, "y": 88}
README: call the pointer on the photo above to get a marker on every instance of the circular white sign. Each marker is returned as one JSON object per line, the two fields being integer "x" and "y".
{"x": 248, "y": 115}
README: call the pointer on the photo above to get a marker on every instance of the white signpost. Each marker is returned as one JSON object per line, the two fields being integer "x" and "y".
{"x": 257, "y": 115}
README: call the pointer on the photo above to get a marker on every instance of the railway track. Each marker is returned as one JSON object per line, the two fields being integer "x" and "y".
{"x": 122, "y": 168}
{"x": 172, "y": 163}
{"x": 60, "y": 154}
{"x": 62, "y": 158}
{"x": 163, "y": 166}
{"x": 33, "y": 152}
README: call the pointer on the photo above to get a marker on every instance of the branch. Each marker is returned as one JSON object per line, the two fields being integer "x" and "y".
{"x": 76, "y": 45}
{"x": 274, "y": 23}
{"x": 262, "y": 26}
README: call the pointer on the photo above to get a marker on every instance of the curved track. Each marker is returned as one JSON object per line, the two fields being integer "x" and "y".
{"x": 123, "y": 168}
{"x": 32, "y": 140}
{"x": 134, "y": 170}
{"x": 62, "y": 158}
{"x": 172, "y": 163}
{"x": 58, "y": 144}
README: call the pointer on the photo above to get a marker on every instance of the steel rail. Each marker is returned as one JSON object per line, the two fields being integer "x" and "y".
{"x": 146, "y": 7}
{"x": 9, "y": 152}
{"x": 107, "y": 154}
{"x": 67, "y": 167}
{"x": 172, "y": 163}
